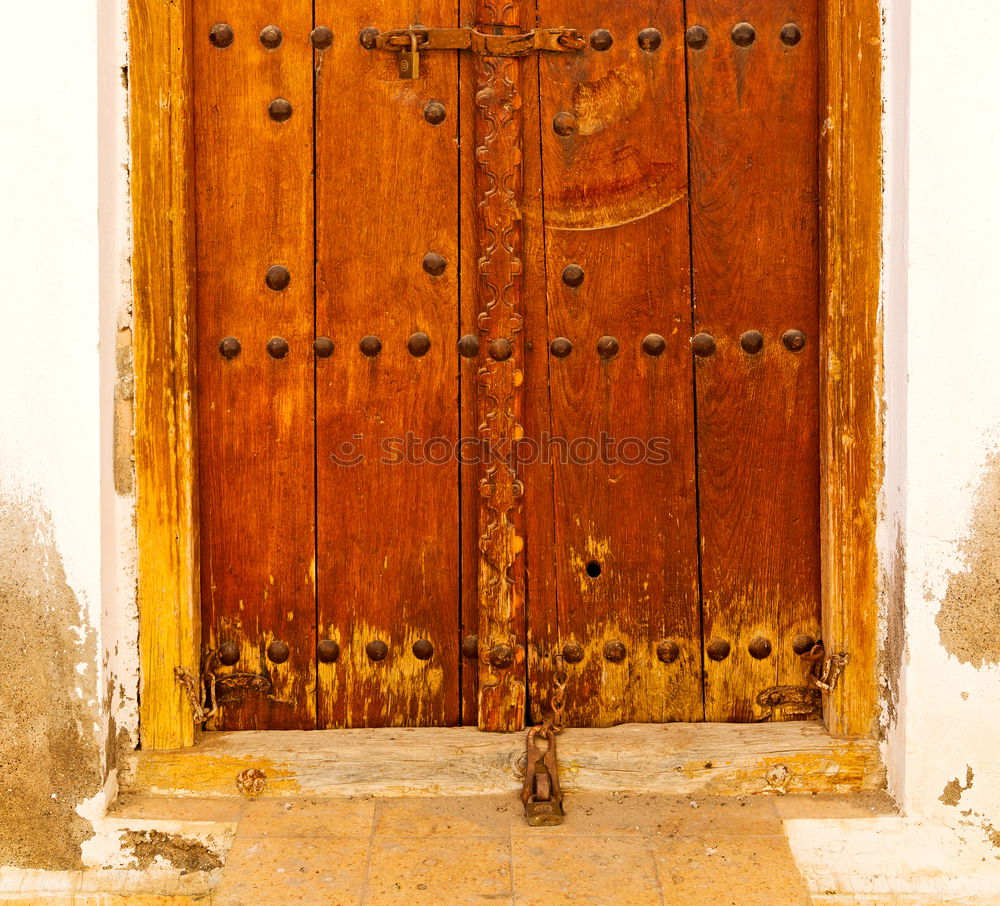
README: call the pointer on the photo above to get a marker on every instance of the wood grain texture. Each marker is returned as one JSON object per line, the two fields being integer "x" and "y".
{"x": 852, "y": 430}
{"x": 682, "y": 759}
{"x": 388, "y": 543}
{"x": 160, "y": 134}
{"x": 620, "y": 487}
{"x": 753, "y": 125}
{"x": 254, "y": 211}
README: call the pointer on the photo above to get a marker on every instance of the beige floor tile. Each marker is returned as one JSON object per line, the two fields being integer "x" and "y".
{"x": 464, "y": 816}
{"x": 861, "y": 805}
{"x": 273, "y": 871}
{"x": 584, "y": 871}
{"x": 438, "y": 870}
{"x": 730, "y": 871}
{"x": 307, "y": 817}
{"x": 588, "y": 814}
{"x": 173, "y": 808}
{"x": 727, "y": 815}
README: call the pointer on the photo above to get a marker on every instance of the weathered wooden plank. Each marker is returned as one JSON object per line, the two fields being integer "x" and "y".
{"x": 753, "y": 124}
{"x": 254, "y": 216}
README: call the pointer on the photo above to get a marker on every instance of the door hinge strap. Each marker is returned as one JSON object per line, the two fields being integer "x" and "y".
{"x": 550, "y": 40}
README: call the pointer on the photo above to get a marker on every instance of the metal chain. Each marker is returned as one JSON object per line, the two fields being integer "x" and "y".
{"x": 541, "y": 794}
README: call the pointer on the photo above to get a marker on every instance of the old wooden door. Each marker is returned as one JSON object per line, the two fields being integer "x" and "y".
{"x": 510, "y": 368}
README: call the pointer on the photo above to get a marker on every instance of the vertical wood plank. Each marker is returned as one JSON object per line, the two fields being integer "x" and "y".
{"x": 387, "y": 196}
{"x": 255, "y": 212}
{"x": 160, "y": 134}
{"x": 753, "y": 123}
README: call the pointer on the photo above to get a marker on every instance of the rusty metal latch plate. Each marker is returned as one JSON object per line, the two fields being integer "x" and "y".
{"x": 538, "y": 40}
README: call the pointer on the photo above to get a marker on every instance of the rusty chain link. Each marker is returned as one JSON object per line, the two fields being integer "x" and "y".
{"x": 542, "y": 794}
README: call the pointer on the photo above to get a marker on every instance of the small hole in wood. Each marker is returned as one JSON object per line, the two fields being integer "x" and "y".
{"x": 593, "y": 569}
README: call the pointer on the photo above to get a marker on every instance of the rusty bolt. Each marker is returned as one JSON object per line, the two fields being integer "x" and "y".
{"x": 668, "y": 651}
{"x": 435, "y": 113}
{"x": 321, "y": 37}
{"x": 468, "y": 346}
{"x": 572, "y": 652}
{"x": 251, "y": 783}
{"x": 614, "y": 651}
{"x": 277, "y": 347}
{"x": 229, "y": 653}
{"x": 327, "y": 651}
{"x": 794, "y": 340}
{"x": 696, "y": 37}
{"x": 743, "y": 34}
{"x": 564, "y": 123}
{"x": 501, "y": 349}
{"x": 229, "y": 347}
{"x": 368, "y": 38}
{"x": 653, "y": 344}
{"x": 280, "y": 110}
{"x": 470, "y": 647}
{"x": 572, "y": 275}
{"x": 221, "y": 35}
{"x": 759, "y": 648}
{"x": 649, "y": 40}
{"x": 560, "y": 347}
{"x": 791, "y": 34}
{"x": 323, "y": 347}
{"x": 607, "y": 347}
{"x": 601, "y": 39}
{"x": 270, "y": 37}
{"x": 377, "y": 650}
{"x": 419, "y": 344}
{"x": 802, "y": 644}
{"x": 278, "y": 652}
{"x": 370, "y": 345}
{"x": 703, "y": 344}
{"x": 718, "y": 649}
{"x": 502, "y": 656}
{"x": 422, "y": 649}
{"x": 752, "y": 342}
{"x": 434, "y": 264}
{"x": 277, "y": 277}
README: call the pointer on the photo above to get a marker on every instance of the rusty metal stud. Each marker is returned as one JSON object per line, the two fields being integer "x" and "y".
{"x": 614, "y": 651}
{"x": 607, "y": 347}
{"x": 791, "y": 34}
{"x": 277, "y": 347}
{"x": 419, "y": 344}
{"x": 696, "y": 37}
{"x": 435, "y": 113}
{"x": 759, "y": 648}
{"x": 221, "y": 35}
{"x": 718, "y": 649}
{"x": 802, "y": 644}
{"x": 368, "y": 38}
{"x": 794, "y": 340}
{"x": 668, "y": 651}
{"x": 572, "y": 652}
{"x": 229, "y": 653}
{"x": 376, "y": 650}
{"x": 323, "y": 347}
{"x": 600, "y": 39}
{"x": 280, "y": 110}
{"x": 560, "y": 347}
{"x": 501, "y": 349}
{"x": 278, "y": 652}
{"x": 327, "y": 651}
{"x": 649, "y": 40}
{"x": 572, "y": 275}
{"x": 703, "y": 344}
{"x": 468, "y": 346}
{"x": 653, "y": 344}
{"x": 277, "y": 277}
{"x": 434, "y": 264}
{"x": 270, "y": 37}
{"x": 370, "y": 345}
{"x": 752, "y": 342}
{"x": 470, "y": 647}
{"x": 743, "y": 34}
{"x": 564, "y": 123}
{"x": 422, "y": 649}
{"x": 229, "y": 347}
{"x": 502, "y": 656}
{"x": 321, "y": 37}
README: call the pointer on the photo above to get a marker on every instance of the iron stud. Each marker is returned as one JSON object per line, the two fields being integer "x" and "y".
{"x": 277, "y": 277}
{"x": 370, "y": 346}
{"x": 470, "y": 647}
{"x": 278, "y": 652}
{"x": 229, "y": 347}
{"x": 434, "y": 264}
{"x": 696, "y": 37}
{"x": 743, "y": 34}
{"x": 668, "y": 651}
{"x": 323, "y": 347}
{"x": 607, "y": 347}
{"x": 376, "y": 650}
{"x": 435, "y": 113}
{"x": 572, "y": 275}
{"x": 368, "y": 38}
{"x": 759, "y": 648}
{"x": 653, "y": 344}
{"x": 614, "y": 651}
{"x": 502, "y": 656}
{"x": 418, "y": 344}
{"x": 270, "y": 37}
{"x": 277, "y": 347}
{"x": 501, "y": 349}
{"x": 221, "y": 35}
{"x": 229, "y": 653}
{"x": 802, "y": 644}
{"x": 600, "y": 39}
{"x": 752, "y": 342}
{"x": 327, "y": 651}
{"x": 703, "y": 344}
{"x": 423, "y": 650}
{"x": 468, "y": 346}
{"x": 791, "y": 34}
{"x": 794, "y": 340}
{"x": 649, "y": 40}
{"x": 718, "y": 649}
{"x": 280, "y": 110}
{"x": 572, "y": 652}
{"x": 564, "y": 123}
{"x": 560, "y": 347}
{"x": 321, "y": 37}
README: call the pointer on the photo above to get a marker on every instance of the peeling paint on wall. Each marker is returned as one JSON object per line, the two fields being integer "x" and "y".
{"x": 953, "y": 789}
{"x": 970, "y": 608}
{"x": 185, "y": 853}
{"x": 50, "y": 761}
{"x": 893, "y": 648}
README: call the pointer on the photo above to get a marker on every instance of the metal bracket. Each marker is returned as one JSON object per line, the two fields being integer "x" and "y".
{"x": 806, "y": 702}
{"x": 203, "y": 692}
{"x": 538, "y": 40}
{"x": 542, "y": 795}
